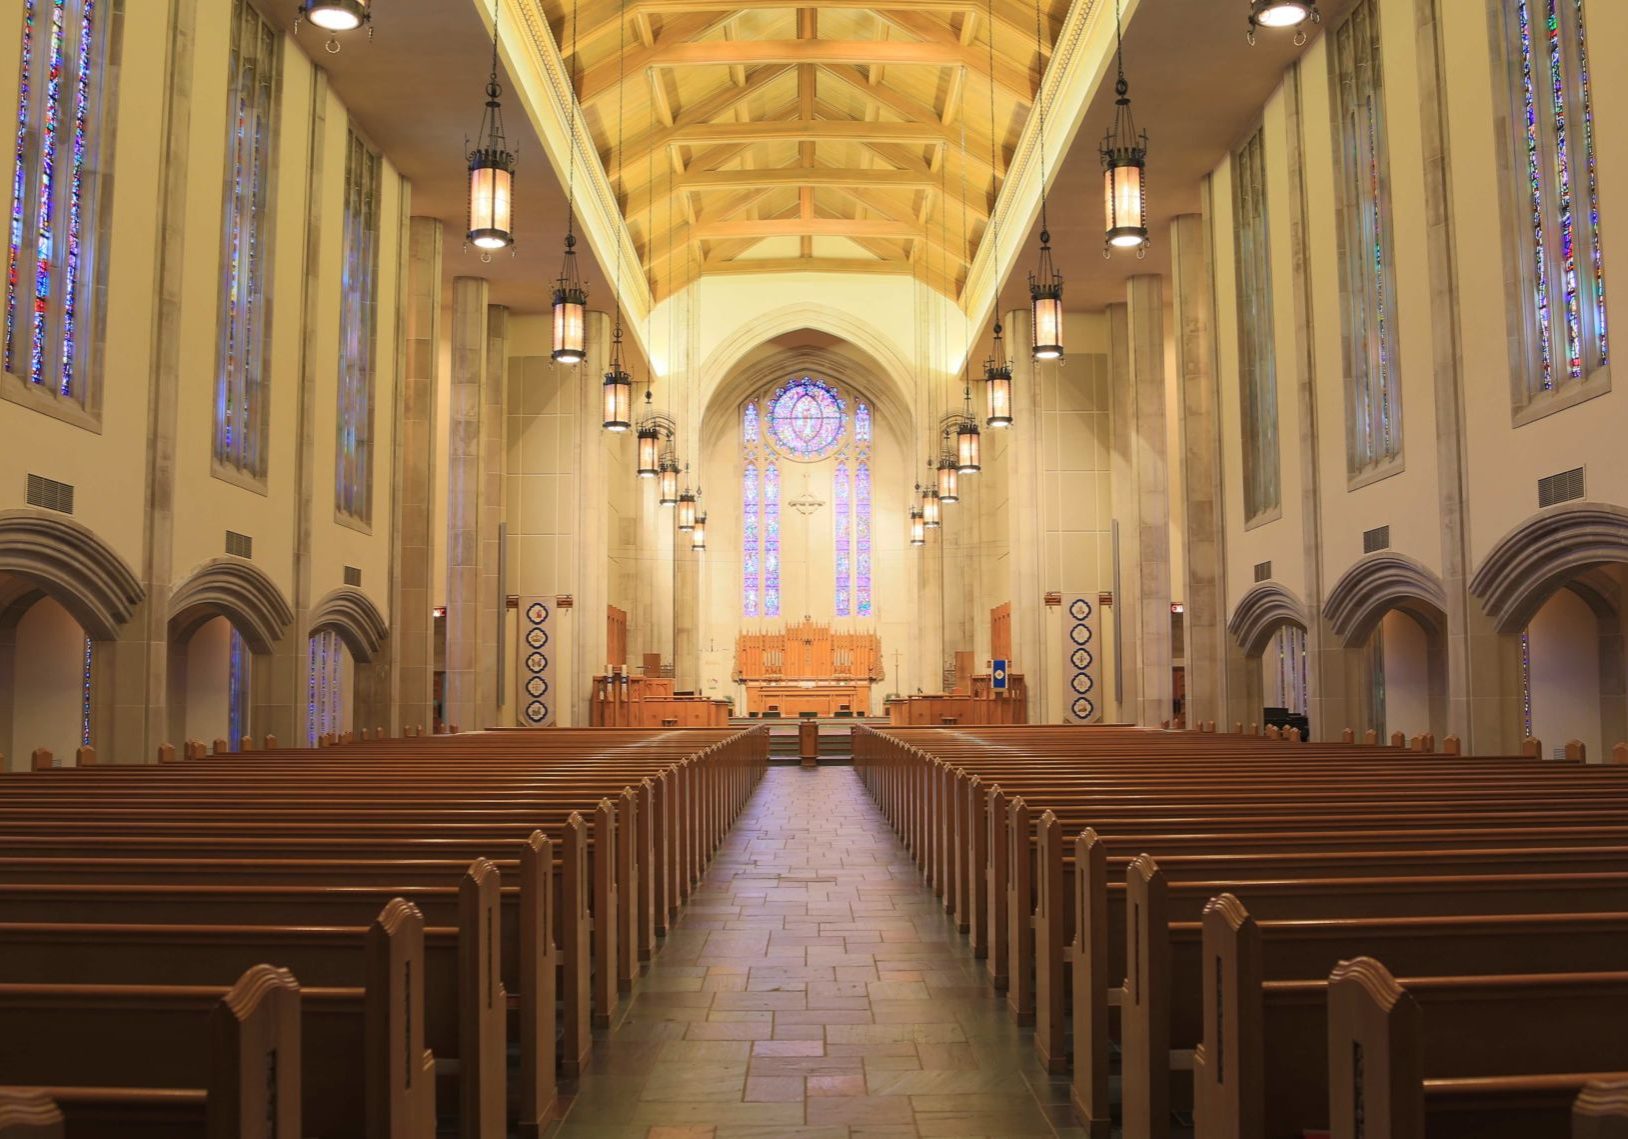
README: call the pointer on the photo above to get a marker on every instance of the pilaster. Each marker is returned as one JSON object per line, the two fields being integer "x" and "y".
{"x": 465, "y": 474}
{"x": 1145, "y": 327}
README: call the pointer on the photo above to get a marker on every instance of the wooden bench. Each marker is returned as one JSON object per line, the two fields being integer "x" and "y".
{"x": 233, "y": 1069}
{"x": 1500, "y": 1056}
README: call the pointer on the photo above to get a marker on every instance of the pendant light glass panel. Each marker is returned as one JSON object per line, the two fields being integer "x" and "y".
{"x": 569, "y": 307}
{"x": 968, "y": 448}
{"x": 336, "y": 15}
{"x": 698, "y": 535}
{"x": 1281, "y": 13}
{"x": 649, "y": 452}
{"x": 669, "y": 483}
{"x": 931, "y": 513}
{"x": 998, "y": 387}
{"x": 949, "y": 481}
{"x": 1126, "y": 204}
{"x": 918, "y": 528}
{"x": 686, "y": 512}
{"x": 1048, "y": 322}
{"x": 491, "y": 199}
{"x": 618, "y": 400}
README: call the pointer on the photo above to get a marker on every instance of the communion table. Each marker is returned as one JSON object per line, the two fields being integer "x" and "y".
{"x": 808, "y": 668}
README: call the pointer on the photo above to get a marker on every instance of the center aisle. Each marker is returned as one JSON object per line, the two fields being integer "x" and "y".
{"x": 814, "y": 987}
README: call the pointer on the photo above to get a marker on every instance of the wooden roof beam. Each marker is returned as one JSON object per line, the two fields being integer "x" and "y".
{"x": 805, "y": 227}
{"x": 703, "y": 111}
{"x": 725, "y": 53}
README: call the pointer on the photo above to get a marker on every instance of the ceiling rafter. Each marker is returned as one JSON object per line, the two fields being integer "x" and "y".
{"x": 701, "y": 112}
{"x": 601, "y": 79}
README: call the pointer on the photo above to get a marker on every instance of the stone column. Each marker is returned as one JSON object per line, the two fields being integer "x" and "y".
{"x": 412, "y": 626}
{"x": 491, "y": 514}
{"x": 929, "y": 640}
{"x": 1145, "y": 294}
{"x": 1204, "y": 591}
{"x": 465, "y": 474}
{"x": 592, "y": 553}
{"x": 1123, "y": 668}
{"x": 1024, "y": 524}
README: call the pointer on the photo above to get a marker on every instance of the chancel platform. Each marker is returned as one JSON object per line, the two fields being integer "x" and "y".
{"x": 808, "y": 668}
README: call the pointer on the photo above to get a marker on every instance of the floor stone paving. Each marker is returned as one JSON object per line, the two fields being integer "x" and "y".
{"x": 814, "y": 987}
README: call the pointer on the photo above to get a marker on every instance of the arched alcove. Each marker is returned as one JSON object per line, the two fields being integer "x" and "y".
{"x": 1389, "y": 612}
{"x": 813, "y": 492}
{"x": 226, "y": 621}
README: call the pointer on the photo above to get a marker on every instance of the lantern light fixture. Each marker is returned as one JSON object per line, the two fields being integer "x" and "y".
{"x": 1045, "y": 283}
{"x": 618, "y": 387}
{"x": 668, "y": 495}
{"x": 1294, "y": 14}
{"x": 491, "y": 171}
{"x": 649, "y": 441}
{"x": 698, "y": 535}
{"x": 949, "y": 480}
{"x": 998, "y": 383}
{"x": 570, "y": 295}
{"x": 1124, "y": 168}
{"x": 334, "y": 16}
{"x": 686, "y": 504}
{"x": 932, "y": 513}
{"x": 968, "y": 440}
{"x": 918, "y": 529}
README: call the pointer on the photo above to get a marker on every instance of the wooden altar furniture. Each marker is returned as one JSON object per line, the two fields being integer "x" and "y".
{"x": 622, "y": 701}
{"x": 808, "y": 668}
{"x": 983, "y": 706}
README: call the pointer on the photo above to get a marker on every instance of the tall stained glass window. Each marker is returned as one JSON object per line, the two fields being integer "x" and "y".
{"x": 1562, "y": 271}
{"x": 240, "y": 383}
{"x": 1257, "y": 369}
{"x": 771, "y": 540}
{"x": 1285, "y": 661}
{"x": 1373, "y": 393}
{"x": 806, "y": 420}
{"x": 325, "y": 695}
{"x": 842, "y": 495}
{"x": 358, "y": 306}
{"x": 49, "y": 253}
{"x": 237, "y": 690}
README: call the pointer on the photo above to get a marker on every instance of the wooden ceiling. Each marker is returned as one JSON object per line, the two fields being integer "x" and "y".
{"x": 774, "y": 137}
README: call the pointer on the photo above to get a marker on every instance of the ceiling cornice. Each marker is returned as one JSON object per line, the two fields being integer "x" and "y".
{"x": 1080, "y": 60}
{"x": 544, "y": 87}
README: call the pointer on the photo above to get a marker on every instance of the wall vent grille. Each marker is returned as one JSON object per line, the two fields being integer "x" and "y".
{"x": 239, "y": 545}
{"x": 1563, "y": 487}
{"x": 1263, "y": 571}
{"x": 50, "y": 494}
{"x": 1379, "y": 538}
{"x": 353, "y": 576}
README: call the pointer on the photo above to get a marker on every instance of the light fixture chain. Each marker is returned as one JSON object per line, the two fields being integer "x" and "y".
{"x": 571, "y": 160}
{"x": 621, "y": 148}
{"x": 1040, "y": 110}
{"x": 994, "y": 175}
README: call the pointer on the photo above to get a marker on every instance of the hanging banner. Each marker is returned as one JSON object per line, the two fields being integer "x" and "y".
{"x": 536, "y": 669}
{"x": 1080, "y": 661}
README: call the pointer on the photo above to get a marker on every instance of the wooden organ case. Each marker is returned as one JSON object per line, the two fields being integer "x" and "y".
{"x": 808, "y": 668}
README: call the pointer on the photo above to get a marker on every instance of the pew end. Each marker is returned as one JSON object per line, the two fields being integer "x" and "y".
{"x": 1374, "y": 1063}
{"x": 254, "y": 1089}
{"x": 29, "y": 1114}
{"x": 1601, "y": 1111}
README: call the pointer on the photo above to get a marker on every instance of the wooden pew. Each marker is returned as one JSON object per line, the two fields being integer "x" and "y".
{"x": 232, "y": 1068}
{"x": 1493, "y": 1057}
{"x": 1244, "y": 1069}
{"x": 387, "y": 959}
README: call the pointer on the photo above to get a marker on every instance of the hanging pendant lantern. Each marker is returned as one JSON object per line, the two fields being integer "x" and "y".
{"x": 1294, "y": 14}
{"x": 1046, "y": 304}
{"x": 932, "y": 513}
{"x": 998, "y": 383}
{"x": 649, "y": 452}
{"x": 570, "y": 308}
{"x": 949, "y": 481}
{"x": 334, "y": 16}
{"x": 668, "y": 495}
{"x": 968, "y": 440}
{"x": 617, "y": 388}
{"x": 698, "y": 535}
{"x": 1124, "y": 168}
{"x": 686, "y": 510}
{"x": 918, "y": 528}
{"x": 491, "y": 172}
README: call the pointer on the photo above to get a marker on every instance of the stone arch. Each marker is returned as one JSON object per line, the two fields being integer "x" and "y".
{"x": 1381, "y": 582}
{"x": 351, "y": 613}
{"x": 1260, "y": 612}
{"x": 235, "y": 589}
{"x": 721, "y": 363}
{"x": 1537, "y": 557}
{"x": 848, "y": 368}
{"x": 68, "y": 561}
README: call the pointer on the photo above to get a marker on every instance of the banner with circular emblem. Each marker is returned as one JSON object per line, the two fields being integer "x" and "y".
{"x": 536, "y": 671}
{"x": 1080, "y": 649}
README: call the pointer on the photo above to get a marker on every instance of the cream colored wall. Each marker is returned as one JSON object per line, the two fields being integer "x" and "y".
{"x": 1407, "y": 674}
{"x": 107, "y": 465}
{"x": 208, "y": 673}
{"x": 1565, "y": 671}
{"x": 1505, "y": 461}
{"x": 49, "y": 688}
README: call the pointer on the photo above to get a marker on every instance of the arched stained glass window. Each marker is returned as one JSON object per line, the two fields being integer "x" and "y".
{"x": 49, "y": 252}
{"x": 805, "y": 421}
